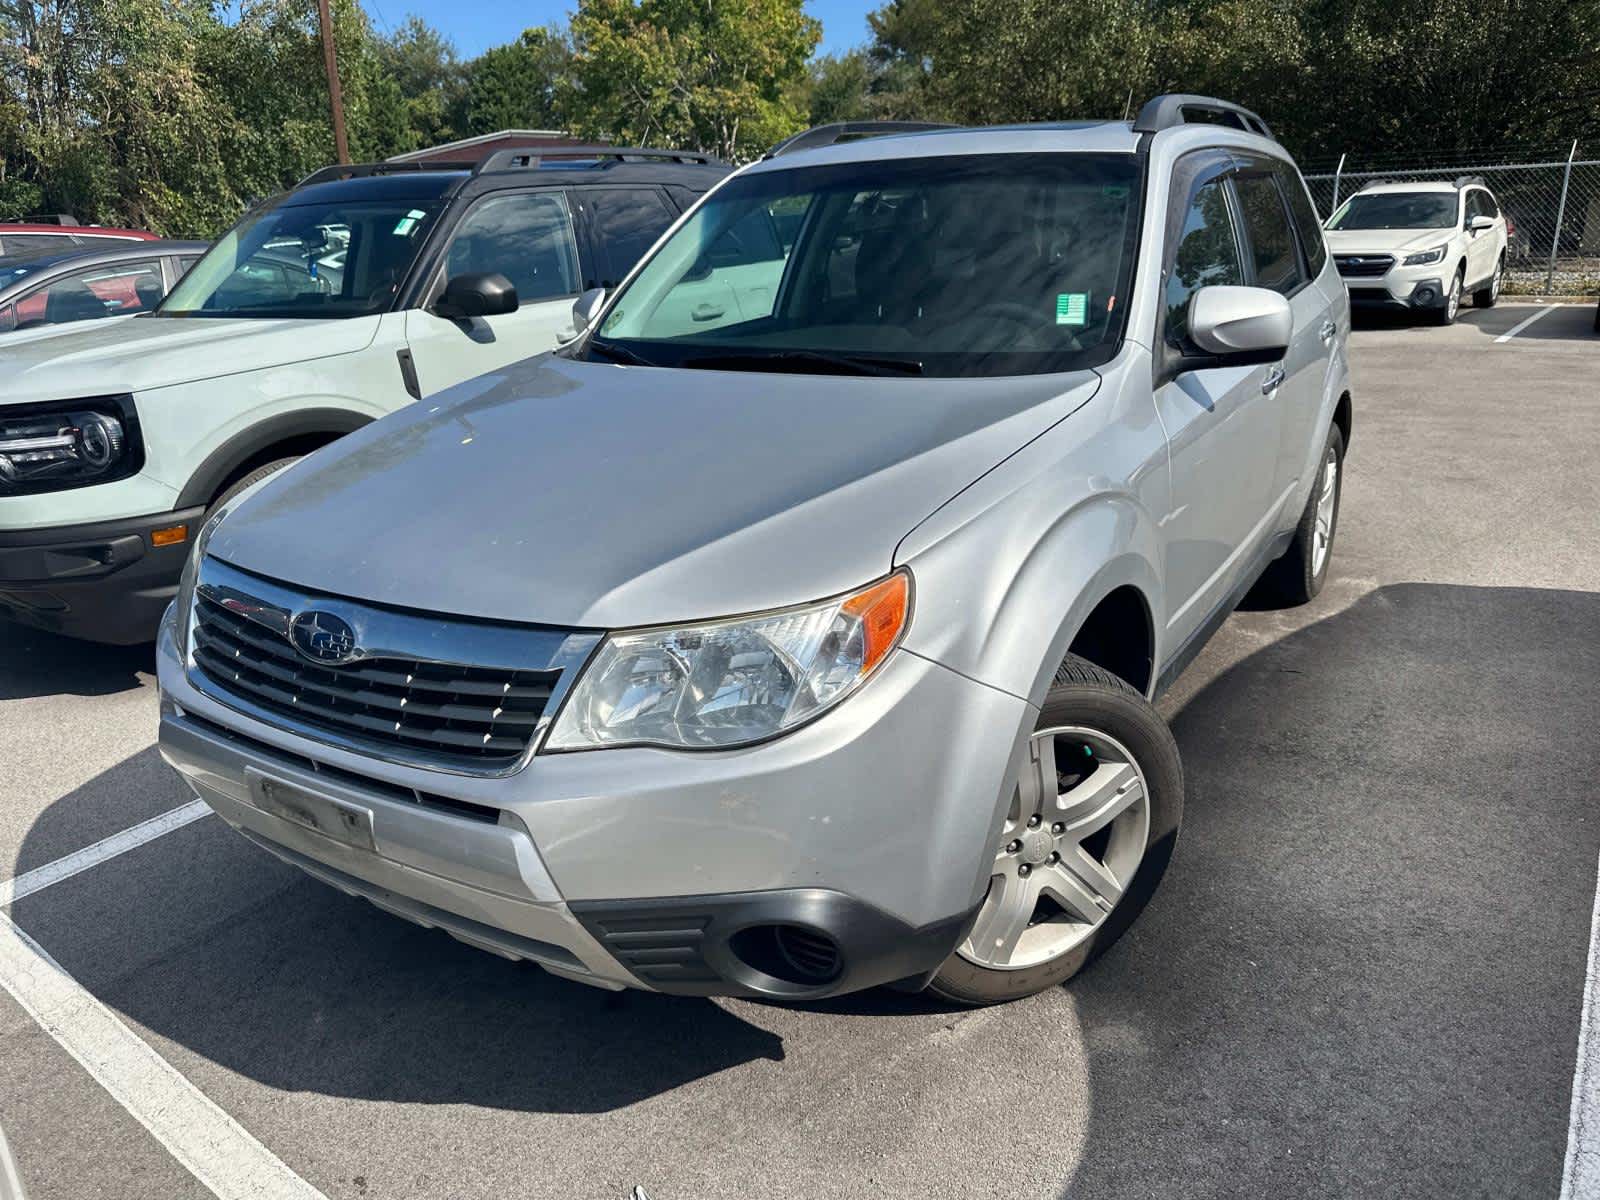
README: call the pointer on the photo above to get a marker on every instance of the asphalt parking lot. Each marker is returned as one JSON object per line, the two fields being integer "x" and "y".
{"x": 1363, "y": 976}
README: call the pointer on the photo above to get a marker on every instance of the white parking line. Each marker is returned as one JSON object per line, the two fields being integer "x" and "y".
{"x": 1524, "y": 323}
{"x": 211, "y": 1145}
{"x": 81, "y": 860}
{"x": 1580, "y": 1177}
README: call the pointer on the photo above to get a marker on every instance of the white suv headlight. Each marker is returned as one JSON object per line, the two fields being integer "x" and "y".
{"x": 1425, "y": 257}
{"x": 729, "y": 683}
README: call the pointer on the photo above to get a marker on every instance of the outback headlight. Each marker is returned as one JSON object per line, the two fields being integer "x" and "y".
{"x": 732, "y": 682}
{"x": 1423, "y": 258}
{"x": 50, "y": 447}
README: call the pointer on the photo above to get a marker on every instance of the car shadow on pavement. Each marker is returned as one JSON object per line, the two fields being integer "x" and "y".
{"x": 33, "y": 663}
{"x": 1361, "y": 976}
{"x": 1364, "y": 971}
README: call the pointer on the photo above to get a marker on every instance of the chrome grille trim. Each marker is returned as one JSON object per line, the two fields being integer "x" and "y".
{"x": 451, "y": 694}
{"x": 1366, "y": 266}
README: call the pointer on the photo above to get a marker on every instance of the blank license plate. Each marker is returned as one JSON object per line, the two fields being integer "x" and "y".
{"x": 336, "y": 819}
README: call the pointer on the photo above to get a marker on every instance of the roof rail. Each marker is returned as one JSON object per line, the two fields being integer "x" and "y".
{"x": 1468, "y": 180}
{"x": 828, "y": 135}
{"x": 364, "y": 170}
{"x": 1372, "y": 183}
{"x": 50, "y": 219}
{"x": 529, "y": 157}
{"x": 1175, "y": 109}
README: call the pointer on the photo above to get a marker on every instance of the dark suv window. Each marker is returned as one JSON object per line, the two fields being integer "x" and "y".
{"x": 525, "y": 236}
{"x": 1266, "y": 224}
{"x": 1206, "y": 254}
{"x": 626, "y": 222}
{"x": 1305, "y": 216}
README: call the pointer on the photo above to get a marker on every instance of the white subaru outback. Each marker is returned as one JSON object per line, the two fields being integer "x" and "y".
{"x": 1420, "y": 246}
{"x": 364, "y": 289}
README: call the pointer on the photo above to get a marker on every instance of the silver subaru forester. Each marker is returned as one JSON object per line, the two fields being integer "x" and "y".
{"x": 795, "y": 628}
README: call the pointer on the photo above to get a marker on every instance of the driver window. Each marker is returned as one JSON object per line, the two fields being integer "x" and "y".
{"x": 526, "y": 237}
{"x": 1206, "y": 255}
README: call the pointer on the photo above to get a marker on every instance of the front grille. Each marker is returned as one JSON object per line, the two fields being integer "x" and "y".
{"x": 479, "y": 716}
{"x": 1363, "y": 266}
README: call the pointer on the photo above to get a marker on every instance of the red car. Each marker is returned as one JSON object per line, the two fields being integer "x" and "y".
{"x": 61, "y": 233}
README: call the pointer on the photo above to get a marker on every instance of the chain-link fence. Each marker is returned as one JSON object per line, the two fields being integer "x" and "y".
{"x": 1551, "y": 206}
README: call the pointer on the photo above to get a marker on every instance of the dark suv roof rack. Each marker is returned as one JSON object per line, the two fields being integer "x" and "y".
{"x": 515, "y": 158}
{"x": 828, "y": 135}
{"x": 525, "y": 157}
{"x": 365, "y": 170}
{"x": 1175, "y": 109}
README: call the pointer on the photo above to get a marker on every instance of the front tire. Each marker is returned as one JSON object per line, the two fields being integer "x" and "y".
{"x": 1486, "y": 297}
{"x": 1446, "y": 315}
{"x": 1082, "y": 846}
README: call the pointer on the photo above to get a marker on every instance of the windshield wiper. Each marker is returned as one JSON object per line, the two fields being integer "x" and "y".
{"x": 619, "y": 354}
{"x": 797, "y": 361}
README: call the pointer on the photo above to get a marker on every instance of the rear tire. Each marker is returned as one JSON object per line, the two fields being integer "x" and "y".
{"x": 1485, "y": 297}
{"x": 1137, "y": 758}
{"x": 1298, "y": 576}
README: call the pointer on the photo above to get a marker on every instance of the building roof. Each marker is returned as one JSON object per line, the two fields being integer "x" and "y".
{"x": 469, "y": 149}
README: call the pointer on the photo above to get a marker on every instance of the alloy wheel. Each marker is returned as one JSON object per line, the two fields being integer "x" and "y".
{"x": 1069, "y": 846}
{"x": 1327, "y": 502}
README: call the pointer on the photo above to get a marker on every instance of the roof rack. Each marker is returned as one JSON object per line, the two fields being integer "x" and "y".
{"x": 50, "y": 219}
{"x": 1372, "y": 183}
{"x": 365, "y": 170}
{"x": 527, "y": 157}
{"x": 1469, "y": 180}
{"x": 828, "y": 135}
{"x": 1175, "y": 109}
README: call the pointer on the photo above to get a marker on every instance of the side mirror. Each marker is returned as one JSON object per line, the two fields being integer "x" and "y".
{"x": 1480, "y": 223}
{"x": 1238, "y": 326}
{"x": 586, "y": 308}
{"x": 477, "y": 295}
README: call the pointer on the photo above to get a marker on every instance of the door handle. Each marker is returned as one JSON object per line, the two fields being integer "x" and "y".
{"x": 1272, "y": 379}
{"x": 1328, "y": 330}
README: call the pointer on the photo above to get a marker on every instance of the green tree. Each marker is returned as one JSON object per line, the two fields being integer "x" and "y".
{"x": 515, "y": 86}
{"x": 717, "y": 76}
{"x": 431, "y": 81}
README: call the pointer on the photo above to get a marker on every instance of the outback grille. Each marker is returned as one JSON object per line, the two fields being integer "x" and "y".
{"x": 479, "y": 716}
{"x": 1363, "y": 266}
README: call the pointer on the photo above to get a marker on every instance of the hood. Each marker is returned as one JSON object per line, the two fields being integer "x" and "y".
{"x": 1385, "y": 241}
{"x": 135, "y": 354}
{"x": 604, "y": 496}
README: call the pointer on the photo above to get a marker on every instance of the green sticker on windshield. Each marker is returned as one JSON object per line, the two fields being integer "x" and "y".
{"x": 1072, "y": 308}
{"x": 409, "y": 222}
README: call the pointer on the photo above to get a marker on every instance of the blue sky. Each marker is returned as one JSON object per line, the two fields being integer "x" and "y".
{"x": 475, "y": 25}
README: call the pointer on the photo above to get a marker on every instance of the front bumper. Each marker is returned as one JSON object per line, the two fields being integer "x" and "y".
{"x": 1400, "y": 288}
{"x": 105, "y": 581}
{"x": 864, "y": 836}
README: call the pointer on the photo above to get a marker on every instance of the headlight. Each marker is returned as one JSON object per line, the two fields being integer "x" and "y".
{"x": 197, "y": 552}
{"x": 1425, "y": 257}
{"x": 49, "y": 447}
{"x": 730, "y": 683}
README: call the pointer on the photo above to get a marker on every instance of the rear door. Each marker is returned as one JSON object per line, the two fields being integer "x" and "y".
{"x": 1222, "y": 424}
{"x": 530, "y": 238}
{"x": 621, "y": 224}
{"x": 1309, "y": 362}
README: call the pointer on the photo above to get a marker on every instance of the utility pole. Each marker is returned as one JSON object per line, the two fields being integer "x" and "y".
{"x": 335, "y": 95}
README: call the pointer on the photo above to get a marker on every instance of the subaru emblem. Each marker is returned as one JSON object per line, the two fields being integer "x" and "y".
{"x": 323, "y": 637}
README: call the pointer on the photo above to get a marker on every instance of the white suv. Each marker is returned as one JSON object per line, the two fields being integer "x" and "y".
{"x": 362, "y": 290}
{"x": 1420, "y": 246}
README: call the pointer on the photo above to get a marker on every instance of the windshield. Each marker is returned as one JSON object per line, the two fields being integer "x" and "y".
{"x": 1397, "y": 210}
{"x": 306, "y": 260}
{"x": 986, "y": 265}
